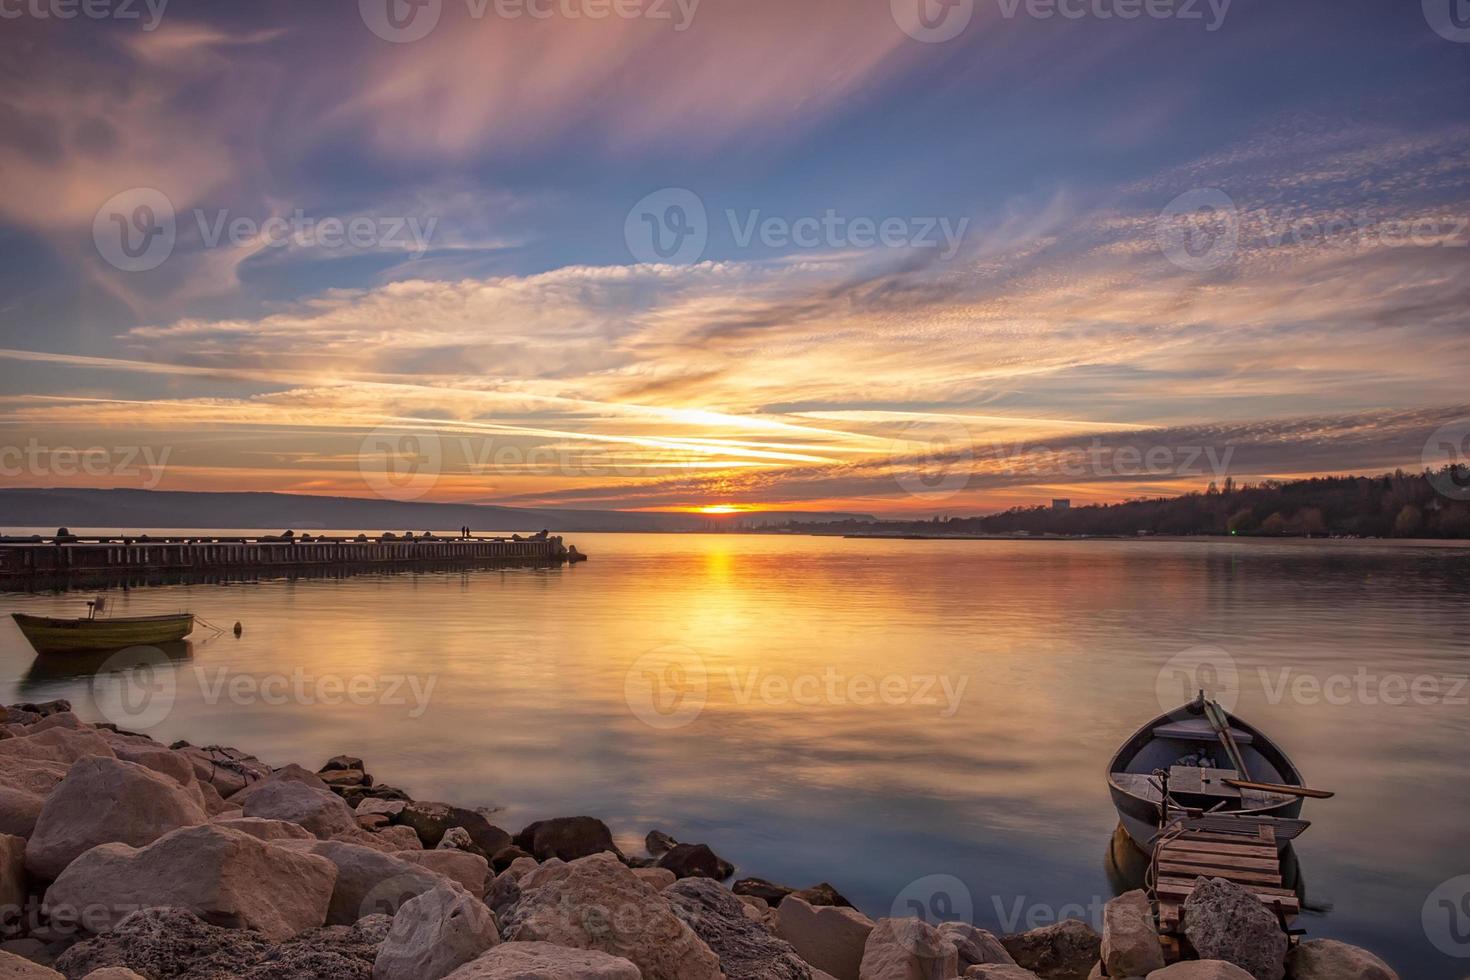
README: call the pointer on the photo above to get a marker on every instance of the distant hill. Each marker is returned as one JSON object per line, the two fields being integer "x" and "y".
{"x": 1394, "y": 505}
{"x": 120, "y": 508}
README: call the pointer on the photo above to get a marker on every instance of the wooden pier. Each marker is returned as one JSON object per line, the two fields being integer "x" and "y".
{"x": 102, "y": 557}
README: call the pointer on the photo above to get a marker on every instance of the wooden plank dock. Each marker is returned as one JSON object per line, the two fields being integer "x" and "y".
{"x": 98, "y": 556}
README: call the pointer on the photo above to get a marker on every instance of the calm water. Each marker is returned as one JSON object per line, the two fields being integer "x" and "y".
{"x": 866, "y": 712}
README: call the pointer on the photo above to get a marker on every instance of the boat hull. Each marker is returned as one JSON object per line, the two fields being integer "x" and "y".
{"x": 51, "y": 635}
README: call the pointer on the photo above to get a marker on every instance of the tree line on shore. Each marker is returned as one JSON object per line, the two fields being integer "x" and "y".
{"x": 1428, "y": 504}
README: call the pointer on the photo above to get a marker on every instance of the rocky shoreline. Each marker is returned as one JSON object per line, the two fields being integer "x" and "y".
{"x": 122, "y": 857}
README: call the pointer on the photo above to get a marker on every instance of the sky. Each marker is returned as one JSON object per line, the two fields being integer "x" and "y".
{"x": 904, "y": 257}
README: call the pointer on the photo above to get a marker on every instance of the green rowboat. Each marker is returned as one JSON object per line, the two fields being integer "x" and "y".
{"x": 51, "y": 635}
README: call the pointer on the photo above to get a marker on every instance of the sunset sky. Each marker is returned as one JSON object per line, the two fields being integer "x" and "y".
{"x": 530, "y": 259}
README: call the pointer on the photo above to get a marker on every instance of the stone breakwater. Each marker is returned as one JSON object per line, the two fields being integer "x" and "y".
{"x": 122, "y": 857}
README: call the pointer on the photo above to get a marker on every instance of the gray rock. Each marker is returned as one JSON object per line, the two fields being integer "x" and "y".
{"x": 545, "y": 961}
{"x": 266, "y": 829}
{"x": 434, "y": 934}
{"x": 1200, "y": 970}
{"x": 432, "y": 820}
{"x": 1130, "y": 939}
{"x": 318, "y": 810}
{"x": 369, "y": 882}
{"x": 1225, "y": 921}
{"x": 469, "y": 871}
{"x": 659, "y": 843}
{"x": 1328, "y": 959}
{"x": 830, "y": 938}
{"x": 566, "y": 838}
{"x": 975, "y": 946}
{"x": 1065, "y": 950}
{"x": 907, "y": 949}
{"x": 746, "y": 950}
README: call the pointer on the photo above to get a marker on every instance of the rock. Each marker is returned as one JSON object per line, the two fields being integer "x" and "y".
{"x": 544, "y": 961}
{"x": 114, "y": 973}
{"x": 369, "y": 882}
{"x": 28, "y": 949}
{"x": 401, "y": 838}
{"x": 596, "y": 902}
{"x": 567, "y": 838}
{"x": 262, "y": 828}
{"x": 339, "y": 779}
{"x": 907, "y": 949}
{"x": 214, "y": 804}
{"x": 104, "y": 800}
{"x": 432, "y": 820}
{"x": 19, "y": 810}
{"x": 507, "y": 855}
{"x": 469, "y": 870}
{"x": 148, "y": 753}
{"x": 456, "y": 839}
{"x": 830, "y": 938}
{"x": 13, "y": 967}
{"x": 975, "y": 946}
{"x": 1064, "y": 950}
{"x": 224, "y": 876}
{"x": 695, "y": 861}
{"x": 1225, "y": 921}
{"x": 822, "y": 894}
{"x": 171, "y": 943}
{"x": 354, "y": 795}
{"x": 746, "y": 950}
{"x": 1130, "y": 939}
{"x": 434, "y": 934}
{"x": 61, "y": 745}
{"x": 659, "y": 843}
{"x": 760, "y": 888}
{"x": 658, "y": 878}
{"x": 373, "y": 821}
{"x": 318, "y": 810}
{"x": 228, "y": 770}
{"x": 390, "y": 808}
{"x": 342, "y": 762}
{"x": 1201, "y": 970}
{"x": 1328, "y": 959}
{"x": 286, "y": 774}
{"x": 14, "y": 882}
{"x": 999, "y": 971}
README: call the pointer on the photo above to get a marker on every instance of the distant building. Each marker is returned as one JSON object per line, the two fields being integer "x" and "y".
{"x": 1061, "y": 504}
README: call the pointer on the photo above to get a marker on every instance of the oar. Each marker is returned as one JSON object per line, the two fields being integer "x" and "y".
{"x": 1221, "y": 724}
{"x": 1316, "y": 794}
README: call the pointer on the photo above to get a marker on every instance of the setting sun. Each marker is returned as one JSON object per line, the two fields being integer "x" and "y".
{"x": 721, "y": 509}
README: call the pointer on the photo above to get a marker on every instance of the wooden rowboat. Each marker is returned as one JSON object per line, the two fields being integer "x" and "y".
{"x": 52, "y": 635}
{"x": 1219, "y": 768}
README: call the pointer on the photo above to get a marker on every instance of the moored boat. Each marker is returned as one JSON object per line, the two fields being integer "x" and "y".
{"x": 50, "y": 634}
{"x": 1207, "y": 763}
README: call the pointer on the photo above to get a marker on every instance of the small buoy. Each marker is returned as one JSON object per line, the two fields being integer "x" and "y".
{"x": 239, "y": 629}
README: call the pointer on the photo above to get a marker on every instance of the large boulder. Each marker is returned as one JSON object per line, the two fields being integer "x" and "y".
{"x": 63, "y": 745}
{"x": 432, "y": 820}
{"x": 368, "y": 882}
{"x": 975, "y": 946}
{"x": 14, "y": 967}
{"x": 1200, "y": 970}
{"x": 434, "y": 934}
{"x": 596, "y": 902}
{"x": 291, "y": 773}
{"x": 468, "y": 870}
{"x": 226, "y": 877}
{"x": 169, "y": 943}
{"x": 318, "y": 810}
{"x": 907, "y": 949}
{"x": 1225, "y": 921}
{"x": 265, "y": 829}
{"x": 830, "y": 938}
{"x": 1328, "y": 959}
{"x": 1130, "y": 939}
{"x": 20, "y": 809}
{"x": 1064, "y": 950}
{"x": 104, "y": 800}
{"x": 545, "y": 961}
{"x": 746, "y": 950}
{"x": 566, "y": 838}
{"x": 695, "y": 861}
{"x": 227, "y": 770}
